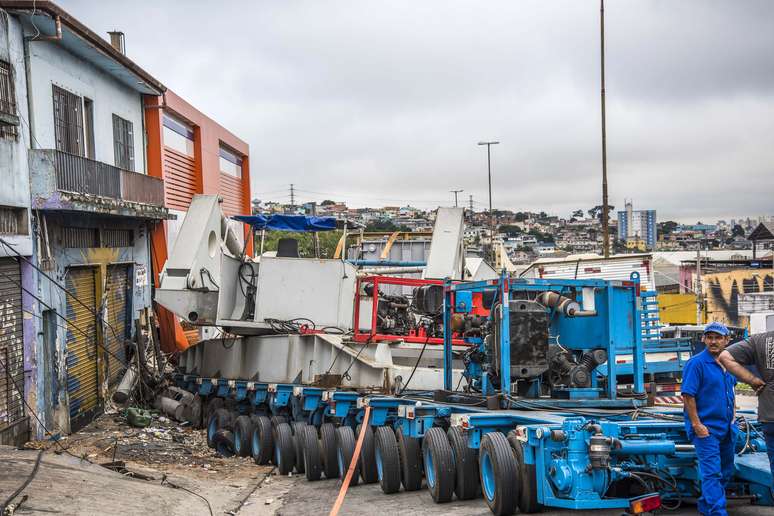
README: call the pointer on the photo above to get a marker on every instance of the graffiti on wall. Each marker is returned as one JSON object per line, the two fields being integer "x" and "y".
{"x": 722, "y": 292}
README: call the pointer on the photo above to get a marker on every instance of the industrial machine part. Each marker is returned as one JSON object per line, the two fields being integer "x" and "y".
{"x": 392, "y": 313}
{"x": 553, "y": 339}
{"x": 528, "y": 339}
{"x": 570, "y": 370}
{"x": 208, "y": 281}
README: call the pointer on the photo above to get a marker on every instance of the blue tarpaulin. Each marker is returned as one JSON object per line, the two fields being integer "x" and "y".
{"x": 298, "y": 223}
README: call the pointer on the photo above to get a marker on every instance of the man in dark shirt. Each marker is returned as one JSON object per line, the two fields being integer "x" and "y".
{"x": 757, "y": 351}
{"x": 708, "y": 397}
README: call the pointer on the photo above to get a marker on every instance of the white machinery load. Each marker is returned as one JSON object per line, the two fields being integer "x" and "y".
{"x": 285, "y": 319}
{"x": 208, "y": 282}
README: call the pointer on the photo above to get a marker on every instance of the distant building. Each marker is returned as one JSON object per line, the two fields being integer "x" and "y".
{"x": 637, "y": 225}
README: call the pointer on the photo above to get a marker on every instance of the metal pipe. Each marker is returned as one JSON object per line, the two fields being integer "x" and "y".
{"x": 386, "y": 263}
{"x": 644, "y": 446}
{"x": 388, "y": 270}
{"x": 56, "y": 37}
{"x": 126, "y": 386}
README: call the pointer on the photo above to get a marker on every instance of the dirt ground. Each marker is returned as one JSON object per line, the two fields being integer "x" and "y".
{"x": 168, "y": 454}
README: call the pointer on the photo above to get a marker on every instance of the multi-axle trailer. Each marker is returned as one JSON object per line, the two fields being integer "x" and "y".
{"x": 530, "y": 392}
{"x": 541, "y": 421}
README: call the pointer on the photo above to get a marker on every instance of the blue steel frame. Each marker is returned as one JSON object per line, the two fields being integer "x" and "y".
{"x": 618, "y": 319}
{"x": 564, "y": 476}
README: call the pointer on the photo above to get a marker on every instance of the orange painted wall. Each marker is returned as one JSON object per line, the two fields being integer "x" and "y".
{"x": 208, "y": 136}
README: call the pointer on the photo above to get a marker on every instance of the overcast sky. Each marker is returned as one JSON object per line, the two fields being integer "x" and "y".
{"x": 383, "y": 102}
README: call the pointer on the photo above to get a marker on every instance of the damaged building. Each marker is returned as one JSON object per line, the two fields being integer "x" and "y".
{"x": 82, "y": 149}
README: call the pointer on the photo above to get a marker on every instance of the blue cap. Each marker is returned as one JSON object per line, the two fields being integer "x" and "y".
{"x": 716, "y": 327}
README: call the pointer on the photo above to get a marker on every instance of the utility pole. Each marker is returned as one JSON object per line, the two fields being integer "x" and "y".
{"x": 605, "y": 214}
{"x": 699, "y": 296}
{"x": 491, "y": 218}
{"x": 292, "y": 198}
{"x": 455, "y": 192}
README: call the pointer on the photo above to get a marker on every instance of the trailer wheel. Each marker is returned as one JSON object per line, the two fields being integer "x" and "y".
{"x": 284, "y": 448}
{"x": 439, "y": 465}
{"x": 224, "y": 443}
{"x": 213, "y": 404}
{"x": 410, "y": 461}
{"x": 243, "y": 433}
{"x": 311, "y": 457}
{"x": 345, "y": 449}
{"x": 499, "y": 475}
{"x": 276, "y": 420}
{"x": 298, "y": 442}
{"x": 221, "y": 418}
{"x": 466, "y": 485}
{"x": 528, "y": 500}
{"x": 387, "y": 458}
{"x": 262, "y": 441}
{"x": 328, "y": 450}
{"x": 367, "y": 460}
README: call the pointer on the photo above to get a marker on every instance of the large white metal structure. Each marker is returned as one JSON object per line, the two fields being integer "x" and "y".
{"x": 208, "y": 281}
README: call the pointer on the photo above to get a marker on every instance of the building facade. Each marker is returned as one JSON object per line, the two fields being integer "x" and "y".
{"x": 80, "y": 164}
{"x": 99, "y": 163}
{"x": 16, "y": 235}
{"x": 637, "y": 225}
{"x": 192, "y": 154}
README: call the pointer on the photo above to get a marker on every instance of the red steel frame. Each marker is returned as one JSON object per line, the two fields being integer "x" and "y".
{"x": 372, "y": 335}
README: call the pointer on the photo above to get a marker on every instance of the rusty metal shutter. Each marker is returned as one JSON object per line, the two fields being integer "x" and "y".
{"x": 82, "y": 356}
{"x": 118, "y": 304}
{"x": 11, "y": 352}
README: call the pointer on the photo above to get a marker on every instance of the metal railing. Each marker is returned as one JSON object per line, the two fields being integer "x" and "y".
{"x": 82, "y": 175}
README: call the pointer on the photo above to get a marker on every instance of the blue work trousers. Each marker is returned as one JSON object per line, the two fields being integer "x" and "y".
{"x": 716, "y": 468}
{"x": 768, "y": 434}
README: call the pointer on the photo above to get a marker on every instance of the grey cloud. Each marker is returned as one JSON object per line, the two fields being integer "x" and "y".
{"x": 386, "y": 100}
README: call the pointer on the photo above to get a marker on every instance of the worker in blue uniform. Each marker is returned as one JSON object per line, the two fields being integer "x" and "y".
{"x": 708, "y": 395}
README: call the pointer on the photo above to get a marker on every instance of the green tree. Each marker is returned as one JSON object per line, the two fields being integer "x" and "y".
{"x": 328, "y": 242}
{"x": 665, "y": 228}
{"x": 385, "y": 225}
{"x": 737, "y": 231}
{"x": 510, "y": 229}
{"x": 327, "y": 202}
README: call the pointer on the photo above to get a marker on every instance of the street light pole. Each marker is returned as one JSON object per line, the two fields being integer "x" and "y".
{"x": 605, "y": 215}
{"x": 491, "y": 219}
{"x": 455, "y": 192}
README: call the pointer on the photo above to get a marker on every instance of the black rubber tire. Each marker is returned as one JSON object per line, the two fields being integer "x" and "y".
{"x": 220, "y": 419}
{"x": 276, "y": 420}
{"x": 499, "y": 474}
{"x": 386, "y": 453}
{"x": 345, "y": 449}
{"x": 262, "y": 442}
{"x": 528, "y": 500}
{"x": 213, "y": 404}
{"x": 224, "y": 443}
{"x": 312, "y": 459}
{"x": 243, "y": 435}
{"x": 328, "y": 450}
{"x": 368, "y": 471}
{"x": 467, "y": 485}
{"x": 298, "y": 442}
{"x": 439, "y": 468}
{"x": 410, "y": 461}
{"x": 284, "y": 448}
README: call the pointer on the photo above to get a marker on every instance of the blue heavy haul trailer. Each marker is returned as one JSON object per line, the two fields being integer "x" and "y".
{"x": 542, "y": 420}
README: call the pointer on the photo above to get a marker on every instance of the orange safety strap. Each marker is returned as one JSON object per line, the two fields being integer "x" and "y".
{"x": 352, "y": 464}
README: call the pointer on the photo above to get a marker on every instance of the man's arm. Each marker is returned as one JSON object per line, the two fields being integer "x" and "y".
{"x": 738, "y": 370}
{"x": 690, "y": 406}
